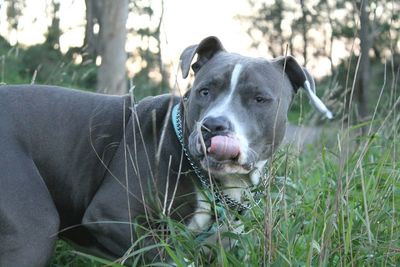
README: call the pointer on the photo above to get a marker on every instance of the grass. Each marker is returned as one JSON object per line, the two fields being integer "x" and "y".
{"x": 335, "y": 204}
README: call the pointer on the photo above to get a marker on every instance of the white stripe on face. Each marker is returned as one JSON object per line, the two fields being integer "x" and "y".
{"x": 235, "y": 78}
{"x": 221, "y": 109}
{"x": 224, "y": 108}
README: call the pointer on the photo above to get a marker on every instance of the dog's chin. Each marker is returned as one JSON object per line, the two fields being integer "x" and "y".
{"x": 210, "y": 164}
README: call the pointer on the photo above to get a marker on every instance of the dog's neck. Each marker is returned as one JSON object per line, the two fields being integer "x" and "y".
{"x": 238, "y": 185}
{"x": 234, "y": 185}
{"x": 206, "y": 183}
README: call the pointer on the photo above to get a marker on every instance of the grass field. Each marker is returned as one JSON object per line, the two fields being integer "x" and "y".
{"x": 336, "y": 203}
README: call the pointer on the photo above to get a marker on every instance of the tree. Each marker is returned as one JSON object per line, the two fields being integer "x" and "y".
{"x": 304, "y": 15}
{"x": 54, "y": 32}
{"x": 363, "y": 77}
{"x": 152, "y": 78}
{"x": 90, "y": 40}
{"x": 267, "y": 20}
{"x": 109, "y": 43}
{"x": 14, "y": 12}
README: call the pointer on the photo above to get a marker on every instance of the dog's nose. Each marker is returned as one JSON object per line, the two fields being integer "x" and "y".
{"x": 216, "y": 124}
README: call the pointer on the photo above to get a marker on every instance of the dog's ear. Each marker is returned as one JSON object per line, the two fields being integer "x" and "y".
{"x": 205, "y": 51}
{"x": 297, "y": 74}
{"x": 300, "y": 77}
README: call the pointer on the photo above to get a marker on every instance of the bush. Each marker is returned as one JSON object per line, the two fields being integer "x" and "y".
{"x": 43, "y": 64}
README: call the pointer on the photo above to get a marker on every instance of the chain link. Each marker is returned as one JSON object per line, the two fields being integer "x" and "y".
{"x": 219, "y": 196}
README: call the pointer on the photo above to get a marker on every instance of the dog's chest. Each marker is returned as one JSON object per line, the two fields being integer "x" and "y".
{"x": 206, "y": 222}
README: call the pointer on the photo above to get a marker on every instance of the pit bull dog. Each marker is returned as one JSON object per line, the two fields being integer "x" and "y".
{"x": 93, "y": 168}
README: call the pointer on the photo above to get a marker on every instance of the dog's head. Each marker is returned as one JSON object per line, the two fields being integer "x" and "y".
{"x": 236, "y": 111}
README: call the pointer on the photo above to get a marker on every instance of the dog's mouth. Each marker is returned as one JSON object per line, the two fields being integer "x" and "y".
{"x": 220, "y": 153}
{"x": 223, "y": 147}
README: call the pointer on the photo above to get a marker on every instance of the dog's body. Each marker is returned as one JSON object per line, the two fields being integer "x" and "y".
{"x": 91, "y": 165}
{"x": 63, "y": 164}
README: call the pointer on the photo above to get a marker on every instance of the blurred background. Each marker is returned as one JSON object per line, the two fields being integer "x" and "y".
{"x": 109, "y": 46}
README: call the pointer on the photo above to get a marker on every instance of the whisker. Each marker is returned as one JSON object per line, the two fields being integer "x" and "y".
{"x": 205, "y": 128}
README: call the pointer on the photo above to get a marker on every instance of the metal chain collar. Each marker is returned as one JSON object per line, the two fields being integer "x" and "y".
{"x": 219, "y": 196}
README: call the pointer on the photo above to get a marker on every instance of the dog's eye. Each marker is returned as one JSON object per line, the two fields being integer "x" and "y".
{"x": 204, "y": 92}
{"x": 260, "y": 99}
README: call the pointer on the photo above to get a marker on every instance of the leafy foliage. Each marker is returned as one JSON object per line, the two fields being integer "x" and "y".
{"x": 45, "y": 65}
{"x": 152, "y": 78}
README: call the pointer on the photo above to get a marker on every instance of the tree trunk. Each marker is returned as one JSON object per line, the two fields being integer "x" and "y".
{"x": 363, "y": 82}
{"x": 163, "y": 72}
{"x": 90, "y": 41}
{"x": 304, "y": 31}
{"x": 54, "y": 31}
{"x": 111, "y": 76}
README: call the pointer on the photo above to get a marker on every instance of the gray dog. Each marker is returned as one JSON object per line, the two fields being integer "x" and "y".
{"x": 89, "y": 167}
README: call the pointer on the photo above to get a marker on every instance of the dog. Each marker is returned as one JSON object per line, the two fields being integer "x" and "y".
{"x": 88, "y": 167}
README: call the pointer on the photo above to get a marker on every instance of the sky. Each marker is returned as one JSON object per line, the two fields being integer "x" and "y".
{"x": 187, "y": 22}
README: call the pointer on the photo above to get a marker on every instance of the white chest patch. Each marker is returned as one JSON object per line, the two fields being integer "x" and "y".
{"x": 201, "y": 222}
{"x": 202, "y": 217}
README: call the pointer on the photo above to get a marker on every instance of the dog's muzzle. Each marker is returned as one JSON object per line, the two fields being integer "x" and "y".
{"x": 214, "y": 143}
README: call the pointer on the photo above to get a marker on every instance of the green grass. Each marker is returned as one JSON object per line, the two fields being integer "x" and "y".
{"x": 333, "y": 205}
{"x": 325, "y": 207}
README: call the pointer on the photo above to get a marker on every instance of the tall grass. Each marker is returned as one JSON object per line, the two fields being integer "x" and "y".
{"x": 334, "y": 204}
{"x": 320, "y": 210}
{"x": 337, "y": 203}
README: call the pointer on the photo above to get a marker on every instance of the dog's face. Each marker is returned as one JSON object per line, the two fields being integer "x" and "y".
{"x": 236, "y": 111}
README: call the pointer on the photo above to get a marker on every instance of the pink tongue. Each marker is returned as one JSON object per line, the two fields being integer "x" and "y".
{"x": 224, "y": 147}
